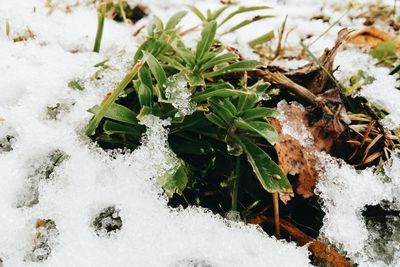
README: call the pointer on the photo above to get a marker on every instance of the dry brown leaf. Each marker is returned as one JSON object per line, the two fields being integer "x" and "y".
{"x": 319, "y": 81}
{"x": 371, "y": 36}
{"x": 296, "y": 158}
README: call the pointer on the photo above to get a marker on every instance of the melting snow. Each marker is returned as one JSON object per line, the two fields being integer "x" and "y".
{"x": 75, "y": 196}
{"x": 119, "y": 189}
{"x": 382, "y": 92}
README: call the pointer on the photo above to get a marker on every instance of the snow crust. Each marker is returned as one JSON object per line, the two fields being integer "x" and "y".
{"x": 35, "y": 75}
{"x": 346, "y": 193}
{"x": 382, "y": 92}
{"x": 73, "y": 192}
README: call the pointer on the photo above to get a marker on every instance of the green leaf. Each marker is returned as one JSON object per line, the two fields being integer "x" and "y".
{"x": 111, "y": 99}
{"x": 247, "y": 22}
{"x": 267, "y": 171}
{"x": 148, "y": 45}
{"x": 218, "y": 12}
{"x": 258, "y": 113}
{"x": 206, "y": 40}
{"x": 117, "y": 112}
{"x": 384, "y": 50}
{"x": 264, "y": 129}
{"x": 175, "y": 19}
{"x": 158, "y": 73}
{"x": 144, "y": 111}
{"x": 213, "y": 118}
{"x": 224, "y": 109}
{"x": 145, "y": 95}
{"x": 246, "y": 102}
{"x": 242, "y": 10}
{"x": 175, "y": 182}
{"x": 262, "y": 39}
{"x": 145, "y": 77}
{"x": 155, "y": 25}
{"x": 193, "y": 147}
{"x": 145, "y": 89}
{"x": 204, "y": 95}
{"x": 245, "y": 65}
{"x": 219, "y": 60}
{"x": 111, "y": 127}
{"x": 186, "y": 55}
{"x": 197, "y": 12}
{"x": 196, "y": 79}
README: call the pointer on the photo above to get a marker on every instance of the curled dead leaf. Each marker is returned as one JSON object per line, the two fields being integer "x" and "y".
{"x": 371, "y": 37}
{"x": 299, "y": 157}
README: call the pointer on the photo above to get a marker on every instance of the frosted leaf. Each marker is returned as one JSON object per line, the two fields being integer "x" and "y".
{"x": 178, "y": 94}
{"x": 293, "y": 128}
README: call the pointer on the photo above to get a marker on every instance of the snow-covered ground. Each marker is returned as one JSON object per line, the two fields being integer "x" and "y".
{"x": 34, "y": 76}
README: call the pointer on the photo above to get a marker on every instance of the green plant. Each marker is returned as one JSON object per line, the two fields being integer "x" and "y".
{"x": 100, "y": 25}
{"x": 214, "y": 16}
{"x": 216, "y": 113}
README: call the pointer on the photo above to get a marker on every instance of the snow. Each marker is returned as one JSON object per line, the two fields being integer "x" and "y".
{"x": 70, "y": 196}
{"x": 89, "y": 181}
{"x": 295, "y": 129}
{"x": 346, "y": 193}
{"x": 382, "y": 92}
{"x": 178, "y": 94}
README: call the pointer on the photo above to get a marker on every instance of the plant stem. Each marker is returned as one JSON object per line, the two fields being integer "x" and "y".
{"x": 275, "y": 200}
{"x": 236, "y": 184}
{"x": 100, "y": 26}
{"x": 121, "y": 8}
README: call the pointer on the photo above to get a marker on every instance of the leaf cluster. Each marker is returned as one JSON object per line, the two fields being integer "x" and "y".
{"x": 227, "y": 120}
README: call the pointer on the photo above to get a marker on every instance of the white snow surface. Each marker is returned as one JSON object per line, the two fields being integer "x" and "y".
{"x": 346, "y": 193}
{"x": 382, "y": 92}
{"x": 34, "y": 75}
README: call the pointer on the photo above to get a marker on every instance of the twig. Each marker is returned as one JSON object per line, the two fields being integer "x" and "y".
{"x": 281, "y": 31}
{"x": 283, "y": 81}
{"x": 236, "y": 184}
{"x": 275, "y": 200}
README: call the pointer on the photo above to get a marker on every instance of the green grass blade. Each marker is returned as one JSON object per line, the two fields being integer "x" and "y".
{"x": 262, "y": 39}
{"x": 117, "y": 112}
{"x": 218, "y": 12}
{"x": 206, "y": 40}
{"x": 197, "y": 12}
{"x": 245, "y": 65}
{"x": 219, "y": 60}
{"x": 158, "y": 73}
{"x": 247, "y": 22}
{"x": 204, "y": 95}
{"x": 316, "y": 60}
{"x": 94, "y": 122}
{"x": 174, "y": 20}
{"x": 100, "y": 27}
{"x": 259, "y": 113}
{"x": 242, "y": 10}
